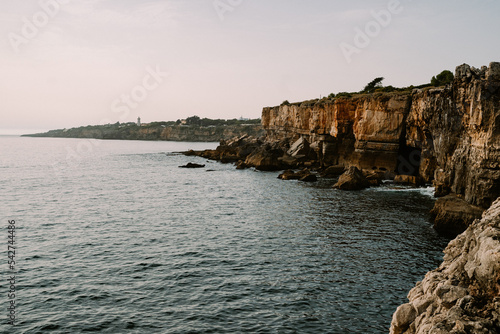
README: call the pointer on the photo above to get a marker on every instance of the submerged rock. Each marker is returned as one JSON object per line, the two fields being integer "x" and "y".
{"x": 192, "y": 165}
{"x": 463, "y": 294}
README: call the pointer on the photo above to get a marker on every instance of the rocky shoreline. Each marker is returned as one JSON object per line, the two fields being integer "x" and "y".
{"x": 448, "y": 137}
{"x": 463, "y": 294}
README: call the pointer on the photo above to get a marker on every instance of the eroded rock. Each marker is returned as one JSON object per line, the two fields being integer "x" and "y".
{"x": 463, "y": 294}
{"x": 265, "y": 158}
{"x": 452, "y": 215}
{"x": 352, "y": 179}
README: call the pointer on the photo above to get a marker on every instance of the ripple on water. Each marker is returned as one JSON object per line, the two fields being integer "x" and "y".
{"x": 130, "y": 243}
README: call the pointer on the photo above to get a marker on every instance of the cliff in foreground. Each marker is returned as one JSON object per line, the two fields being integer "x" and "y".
{"x": 463, "y": 294}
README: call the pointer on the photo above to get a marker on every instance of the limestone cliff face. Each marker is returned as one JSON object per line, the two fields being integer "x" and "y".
{"x": 449, "y": 135}
{"x": 364, "y": 131}
{"x": 458, "y": 130}
{"x": 463, "y": 294}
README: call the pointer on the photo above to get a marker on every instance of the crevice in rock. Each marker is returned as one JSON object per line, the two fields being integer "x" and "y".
{"x": 409, "y": 157}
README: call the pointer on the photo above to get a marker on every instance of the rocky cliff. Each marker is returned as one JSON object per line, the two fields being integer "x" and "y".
{"x": 365, "y": 130}
{"x": 131, "y": 131}
{"x": 449, "y": 136}
{"x": 463, "y": 294}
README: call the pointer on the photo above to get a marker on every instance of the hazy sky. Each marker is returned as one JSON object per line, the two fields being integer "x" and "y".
{"x": 66, "y": 63}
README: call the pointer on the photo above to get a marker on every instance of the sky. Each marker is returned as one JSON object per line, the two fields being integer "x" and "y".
{"x": 69, "y": 63}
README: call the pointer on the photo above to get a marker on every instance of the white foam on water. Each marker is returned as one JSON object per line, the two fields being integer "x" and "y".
{"x": 391, "y": 187}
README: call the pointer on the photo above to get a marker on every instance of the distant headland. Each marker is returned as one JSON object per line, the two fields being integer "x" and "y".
{"x": 191, "y": 129}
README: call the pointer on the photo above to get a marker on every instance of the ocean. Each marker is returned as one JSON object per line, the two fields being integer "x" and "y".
{"x": 114, "y": 237}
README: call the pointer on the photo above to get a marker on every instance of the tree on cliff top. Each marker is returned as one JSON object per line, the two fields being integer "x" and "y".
{"x": 372, "y": 85}
{"x": 443, "y": 78}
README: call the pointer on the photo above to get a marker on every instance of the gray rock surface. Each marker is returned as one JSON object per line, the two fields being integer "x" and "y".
{"x": 462, "y": 296}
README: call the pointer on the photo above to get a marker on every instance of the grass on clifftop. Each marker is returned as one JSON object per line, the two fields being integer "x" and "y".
{"x": 375, "y": 87}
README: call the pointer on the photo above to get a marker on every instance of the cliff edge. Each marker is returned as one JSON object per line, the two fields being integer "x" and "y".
{"x": 463, "y": 294}
{"x": 448, "y": 136}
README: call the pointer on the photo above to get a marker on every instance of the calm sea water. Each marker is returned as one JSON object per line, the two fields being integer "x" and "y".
{"x": 113, "y": 237}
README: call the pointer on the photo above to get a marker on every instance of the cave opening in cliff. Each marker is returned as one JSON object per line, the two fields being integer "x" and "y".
{"x": 409, "y": 158}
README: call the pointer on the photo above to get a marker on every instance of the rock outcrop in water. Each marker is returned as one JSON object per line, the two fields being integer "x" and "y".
{"x": 449, "y": 136}
{"x": 364, "y": 131}
{"x": 463, "y": 294}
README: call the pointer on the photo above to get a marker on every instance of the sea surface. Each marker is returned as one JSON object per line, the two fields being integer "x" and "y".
{"x": 114, "y": 237}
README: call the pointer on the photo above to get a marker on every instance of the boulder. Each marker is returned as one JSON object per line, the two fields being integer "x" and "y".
{"x": 452, "y": 215}
{"x": 352, "y": 179}
{"x": 304, "y": 175}
{"x": 333, "y": 171}
{"x": 300, "y": 148}
{"x": 402, "y": 318}
{"x": 309, "y": 178}
{"x": 265, "y": 158}
{"x": 230, "y": 151}
{"x": 289, "y": 175}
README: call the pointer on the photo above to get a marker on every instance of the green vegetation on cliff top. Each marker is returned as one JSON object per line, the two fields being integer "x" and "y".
{"x": 375, "y": 86}
{"x": 193, "y": 128}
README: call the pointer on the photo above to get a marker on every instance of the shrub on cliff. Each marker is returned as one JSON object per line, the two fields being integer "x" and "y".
{"x": 344, "y": 94}
{"x": 388, "y": 89}
{"x": 442, "y": 79}
{"x": 372, "y": 85}
{"x": 309, "y": 103}
{"x": 285, "y": 103}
